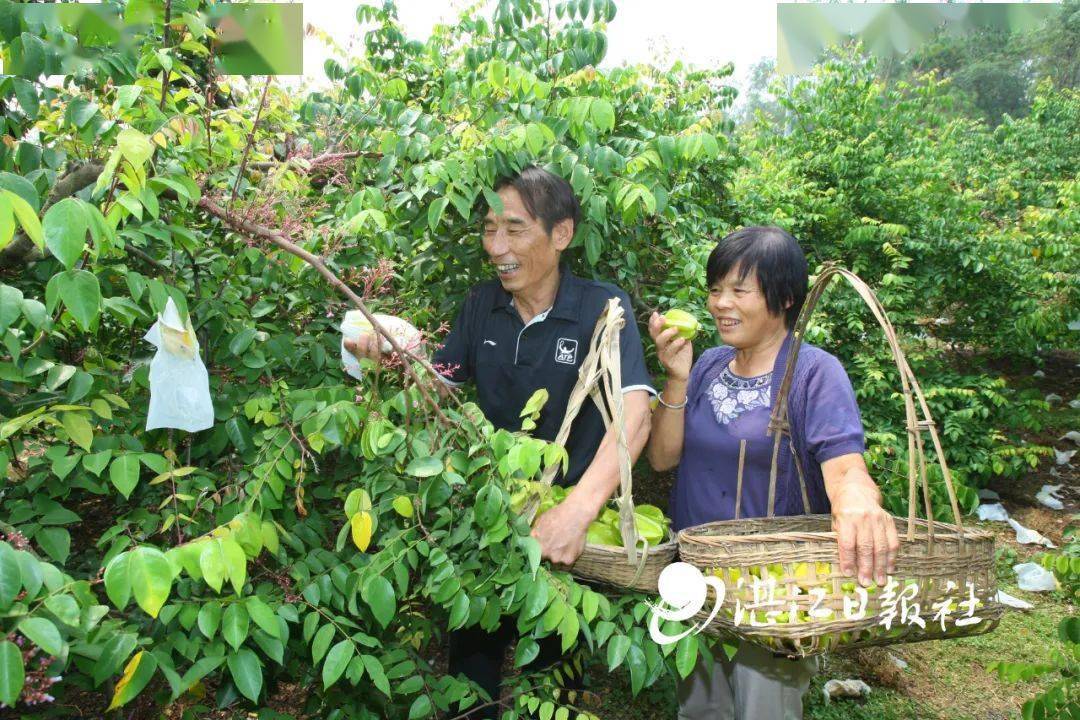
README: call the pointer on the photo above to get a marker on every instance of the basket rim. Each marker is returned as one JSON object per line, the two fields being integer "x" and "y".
{"x": 735, "y": 531}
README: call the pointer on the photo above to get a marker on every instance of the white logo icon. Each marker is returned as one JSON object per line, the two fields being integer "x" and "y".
{"x": 566, "y": 351}
{"x": 490, "y": 342}
{"x": 684, "y": 588}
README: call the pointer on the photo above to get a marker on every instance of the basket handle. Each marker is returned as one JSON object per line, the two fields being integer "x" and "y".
{"x": 916, "y": 411}
{"x": 600, "y": 374}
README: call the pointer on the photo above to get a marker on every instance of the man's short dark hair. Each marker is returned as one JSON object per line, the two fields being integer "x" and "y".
{"x": 775, "y": 258}
{"x": 547, "y": 197}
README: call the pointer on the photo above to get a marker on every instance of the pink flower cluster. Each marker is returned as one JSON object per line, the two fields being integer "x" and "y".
{"x": 38, "y": 682}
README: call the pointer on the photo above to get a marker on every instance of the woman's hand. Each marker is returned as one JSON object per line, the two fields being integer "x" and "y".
{"x": 675, "y": 353}
{"x": 865, "y": 532}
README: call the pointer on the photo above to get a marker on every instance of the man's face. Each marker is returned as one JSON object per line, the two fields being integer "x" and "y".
{"x": 522, "y": 252}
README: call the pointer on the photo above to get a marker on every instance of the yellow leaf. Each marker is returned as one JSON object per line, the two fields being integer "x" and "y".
{"x": 118, "y": 698}
{"x": 159, "y": 138}
{"x": 361, "y": 529}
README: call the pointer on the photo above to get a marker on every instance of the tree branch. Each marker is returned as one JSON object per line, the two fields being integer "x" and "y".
{"x": 277, "y": 238}
{"x": 250, "y": 140}
{"x": 315, "y": 162}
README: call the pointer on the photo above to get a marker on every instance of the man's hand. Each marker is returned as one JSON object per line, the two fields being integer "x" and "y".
{"x": 366, "y": 345}
{"x": 561, "y": 532}
{"x": 865, "y": 532}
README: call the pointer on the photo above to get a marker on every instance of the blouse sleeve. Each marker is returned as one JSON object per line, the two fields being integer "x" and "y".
{"x": 833, "y": 425}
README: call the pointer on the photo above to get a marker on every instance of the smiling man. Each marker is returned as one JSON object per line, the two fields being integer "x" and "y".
{"x": 529, "y": 329}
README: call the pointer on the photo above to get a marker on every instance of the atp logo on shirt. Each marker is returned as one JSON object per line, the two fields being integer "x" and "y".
{"x": 566, "y": 351}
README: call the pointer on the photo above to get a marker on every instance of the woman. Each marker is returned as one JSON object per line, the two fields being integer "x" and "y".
{"x": 757, "y": 280}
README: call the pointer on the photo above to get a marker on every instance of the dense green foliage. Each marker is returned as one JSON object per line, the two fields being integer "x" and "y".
{"x": 325, "y": 536}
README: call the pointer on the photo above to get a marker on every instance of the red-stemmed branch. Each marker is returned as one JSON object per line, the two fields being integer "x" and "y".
{"x": 277, "y": 238}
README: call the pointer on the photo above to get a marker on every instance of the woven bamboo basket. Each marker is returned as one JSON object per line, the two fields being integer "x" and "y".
{"x": 600, "y": 377}
{"x": 797, "y": 554}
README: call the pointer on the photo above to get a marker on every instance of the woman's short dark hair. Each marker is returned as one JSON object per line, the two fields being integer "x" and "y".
{"x": 546, "y": 196}
{"x": 775, "y": 258}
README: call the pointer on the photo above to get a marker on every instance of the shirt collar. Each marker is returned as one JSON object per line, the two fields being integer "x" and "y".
{"x": 567, "y": 304}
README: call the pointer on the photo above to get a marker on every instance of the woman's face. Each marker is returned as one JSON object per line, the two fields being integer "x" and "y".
{"x": 739, "y": 311}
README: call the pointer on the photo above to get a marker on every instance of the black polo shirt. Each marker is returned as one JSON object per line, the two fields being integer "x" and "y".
{"x": 509, "y": 360}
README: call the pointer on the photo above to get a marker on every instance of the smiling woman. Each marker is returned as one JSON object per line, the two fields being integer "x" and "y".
{"x": 714, "y": 418}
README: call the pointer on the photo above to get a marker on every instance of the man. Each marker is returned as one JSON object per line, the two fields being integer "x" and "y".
{"x": 530, "y": 329}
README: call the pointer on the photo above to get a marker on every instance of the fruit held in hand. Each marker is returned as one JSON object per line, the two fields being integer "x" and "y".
{"x": 686, "y": 323}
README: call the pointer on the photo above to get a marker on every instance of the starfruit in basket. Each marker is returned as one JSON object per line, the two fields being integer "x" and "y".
{"x": 650, "y": 523}
{"x": 603, "y": 534}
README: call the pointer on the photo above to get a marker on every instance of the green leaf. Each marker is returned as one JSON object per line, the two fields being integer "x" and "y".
{"x": 42, "y": 633}
{"x": 81, "y": 294}
{"x": 134, "y": 146}
{"x": 21, "y": 187}
{"x": 321, "y": 642}
{"x": 378, "y": 593}
{"x": 115, "y": 652}
{"x": 603, "y": 115}
{"x": 78, "y": 429}
{"x": 10, "y": 576}
{"x": 421, "y": 708}
{"x": 435, "y": 211}
{"x": 27, "y": 217}
{"x": 534, "y": 138}
{"x": 235, "y": 563}
{"x": 11, "y": 303}
{"x": 97, "y": 462}
{"x": 124, "y": 473}
{"x": 118, "y": 580}
{"x": 137, "y": 675}
{"x": 241, "y": 341}
{"x": 212, "y": 564}
{"x": 246, "y": 671}
{"x": 65, "y": 227}
{"x": 12, "y": 673}
{"x": 80, "y": 111}
{"x": 65, "y": 608}
{"x": 235, "y": 625}
{"x": 27, "y": 95}
{"x": 7, "y": 226}
{"x": 56, "y": 542}
{"x": 616, "y": 651}
{"x": 263, "y": 616}
{"x": 526, "y": 652}
{"x": 209, "y": 618}
{"x": 424, "y": 467}
{"x": 494, "y": 202}
{"x": 377, "y": 673}
{"x": 686, "y": 653}
{"x": 635, "y": 659}
{"x": 151, "y": 578}
{"x": 336, "y": 661}
{"x": 403, "y": 506}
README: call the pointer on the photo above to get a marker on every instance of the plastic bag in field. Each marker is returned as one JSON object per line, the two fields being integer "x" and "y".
{"x": 1027, "y": 536}
{"x": 1034, "y": 577}
{"x": 179, "y": 383}
{"x": 354, "y": 324}
{"x": 993, "y": 511}
{"x": 1050, "y": 497}
{"x": 1014, "y": 602}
